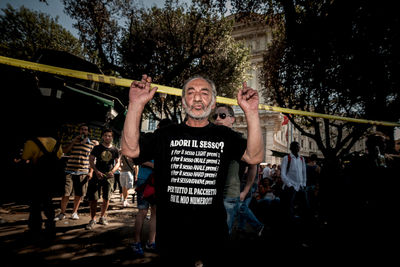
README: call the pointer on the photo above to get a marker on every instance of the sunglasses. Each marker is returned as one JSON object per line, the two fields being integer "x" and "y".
{"x": 221, "y": 115}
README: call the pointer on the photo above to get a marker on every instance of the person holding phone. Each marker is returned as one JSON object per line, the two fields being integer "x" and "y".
{"x": 77, "y": 171}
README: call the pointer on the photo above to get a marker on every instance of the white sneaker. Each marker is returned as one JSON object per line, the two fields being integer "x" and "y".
{"x": 125, "y": 204}
{"x": 103, "y": 221}
{"x": 91, "y": 225}
{"x": 75, "y": 216}
{"x": 59, "y": 217}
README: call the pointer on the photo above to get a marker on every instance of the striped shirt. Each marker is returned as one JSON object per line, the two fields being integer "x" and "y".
{"x": 78, "y": 163}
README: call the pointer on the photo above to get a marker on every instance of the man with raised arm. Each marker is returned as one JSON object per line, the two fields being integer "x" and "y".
{"x": 191, "y": 161}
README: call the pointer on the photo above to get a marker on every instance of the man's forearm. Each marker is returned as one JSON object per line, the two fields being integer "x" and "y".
{"x": 116, "y": 167}
{"x": 68, "y": 148}
{"x": 131, "y": 132}
{"x": 92, "y": 164}
{"x": 255, "y": 146}
{"x": 251, "y": 176}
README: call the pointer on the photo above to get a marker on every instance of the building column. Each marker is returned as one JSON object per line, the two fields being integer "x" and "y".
{"x": 269, "y": 142}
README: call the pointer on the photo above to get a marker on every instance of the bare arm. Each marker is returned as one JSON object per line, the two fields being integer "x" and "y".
{"x": 284, "y": 170}
{"x": 117, "y": 165}
{"x": 115, "y": 168}
{"x": 93, "y": 167}
{"x": 139, "y": 95}
{"x": 136, "y": 172}
{"x": 90, "y": 173}
{"x": 74, "y": 141}
{"x": 248, "y": 100}
{"x": 251, "y": 175}
{"x": 149, "y": 164}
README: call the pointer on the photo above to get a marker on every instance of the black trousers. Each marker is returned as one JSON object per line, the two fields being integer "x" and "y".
{"x": 41, "y": 201}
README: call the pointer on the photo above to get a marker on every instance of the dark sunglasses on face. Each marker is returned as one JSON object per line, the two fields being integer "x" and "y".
{"x": 221, "y": 115}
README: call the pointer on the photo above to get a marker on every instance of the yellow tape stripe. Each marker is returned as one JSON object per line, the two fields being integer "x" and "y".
{"x": 230, "y": 101}
{"x": 169, "y": 90}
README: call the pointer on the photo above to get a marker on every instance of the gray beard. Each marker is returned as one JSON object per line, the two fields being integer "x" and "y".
{"x": 205, "y": 115}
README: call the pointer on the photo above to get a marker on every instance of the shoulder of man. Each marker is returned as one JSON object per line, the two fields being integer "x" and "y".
{"x": 115, "y": 151}
{"x": 90, "y": 143}
{"x": 95, "y": 149}
{"x": 229, "y": 131}
{"x": 286, "y": 158}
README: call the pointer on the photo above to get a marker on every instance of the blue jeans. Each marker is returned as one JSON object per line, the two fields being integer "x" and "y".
{"x": 232, "y": 207}
{"x": 246, "y": 215}
{"x": 142, "y": 204}
{"x": 291, "y": 197}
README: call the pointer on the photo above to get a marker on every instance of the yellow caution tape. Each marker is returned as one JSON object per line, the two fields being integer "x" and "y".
{"x": 170, "y": 90}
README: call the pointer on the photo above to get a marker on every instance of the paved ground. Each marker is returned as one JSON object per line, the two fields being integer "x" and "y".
{"x": 105, "y": 245}
{"x": 73, "y": 243}
{"x": 109, "y": 245}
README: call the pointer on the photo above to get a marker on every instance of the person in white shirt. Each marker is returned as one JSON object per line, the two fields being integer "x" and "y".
{"x": 267, "y": 171}
{"x": 294, "y": 177}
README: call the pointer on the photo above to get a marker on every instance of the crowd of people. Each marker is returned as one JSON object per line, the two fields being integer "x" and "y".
{"x": 208, "y": 180}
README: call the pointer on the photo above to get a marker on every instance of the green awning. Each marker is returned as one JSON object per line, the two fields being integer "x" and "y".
{"x": 278, "y": 153}
{"x": 105, "y": 101}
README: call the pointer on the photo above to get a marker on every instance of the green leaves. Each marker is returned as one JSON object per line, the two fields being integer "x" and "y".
{"x": 24, "y": 32}
{"x": 175, "y": 42}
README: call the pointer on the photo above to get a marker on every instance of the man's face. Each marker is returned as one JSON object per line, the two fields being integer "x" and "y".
{"x": 295, "y": 148}
{"x": 84, "y": 130}
{"x": 107, "y": 138}
{"x": 397, "y": 145}
{"x": 223, "y": 117}
{"x": 198, "y": 101}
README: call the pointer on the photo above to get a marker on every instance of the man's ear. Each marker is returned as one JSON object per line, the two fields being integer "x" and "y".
{"x": 214, "y": 105}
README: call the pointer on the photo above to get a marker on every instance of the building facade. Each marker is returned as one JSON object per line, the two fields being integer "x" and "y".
{"x": 277, "y": 135}
{"x": 277, "y": 132}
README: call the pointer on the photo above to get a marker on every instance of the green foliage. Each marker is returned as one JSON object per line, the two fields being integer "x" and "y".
{"x": 173, "y": 43}
{"x": 170, "y": 44}
{"x": 24, "y": 32}
{"x": 334, "y": 57}
{"x": 98, "y": 28}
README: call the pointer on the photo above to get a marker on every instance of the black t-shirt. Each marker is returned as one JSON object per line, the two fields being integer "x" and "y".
{"x": 312, "y": 175}
{"x": 190, "y": 167}
{"x": 105, "y": 157}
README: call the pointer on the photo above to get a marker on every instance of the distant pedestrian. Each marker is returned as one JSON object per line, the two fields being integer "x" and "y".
{"x": 128, "y": 176}
{"x": 118, "y": 185}
{"x": 145, "y": 173}
{"x": 236, "y": 192}
{"x": 294, "y": 177}
{"x": 246, "y": 215}
{"x": 41, "y": 179}
{"x": 267, "y": 171}
{"x": 77, "y": 170}
{"x": 312, "y": 188}
{"x": 293, "y": 197}
{"x": 105, "y": 161}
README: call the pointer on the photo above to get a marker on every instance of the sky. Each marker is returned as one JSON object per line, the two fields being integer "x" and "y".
{"x": 55, "y": 8}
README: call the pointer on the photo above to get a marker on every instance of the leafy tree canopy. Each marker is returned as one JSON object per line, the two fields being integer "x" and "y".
{"x": 24, "y": 32}
{"x": 98, "y": 29}
{"x": 170, "y": 44}
{"x": 333, "y": 57}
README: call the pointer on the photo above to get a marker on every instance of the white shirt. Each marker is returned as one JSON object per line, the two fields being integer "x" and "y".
{"x": 296, "y": 176}
{"x": 267, "y": 172}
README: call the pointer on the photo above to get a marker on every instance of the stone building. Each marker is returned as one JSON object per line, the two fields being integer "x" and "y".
{"x": 276, "y": 136}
